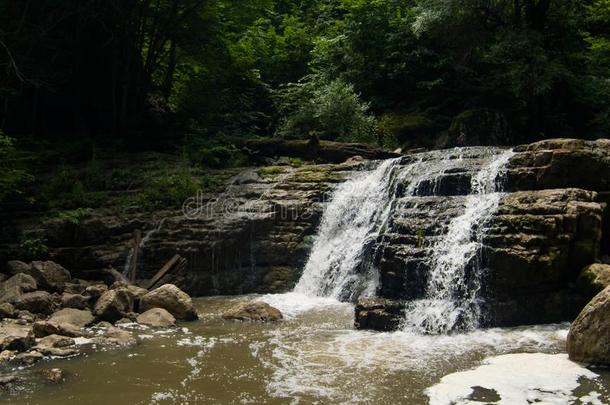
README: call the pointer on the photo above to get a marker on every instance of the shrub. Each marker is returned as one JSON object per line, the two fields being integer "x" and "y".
{"x": 75, "y": 216}
{"x": 33, "y": 249}
{"x": 333, "y": 110}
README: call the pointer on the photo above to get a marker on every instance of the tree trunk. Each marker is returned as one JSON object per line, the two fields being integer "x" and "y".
{"x": 169, "y": 73}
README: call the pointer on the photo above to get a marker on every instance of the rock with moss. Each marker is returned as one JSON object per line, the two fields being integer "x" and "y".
{"x": 589, "y": 337}
{"x": 593, "y": 279}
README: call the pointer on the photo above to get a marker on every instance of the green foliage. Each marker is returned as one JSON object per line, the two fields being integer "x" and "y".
{"x": 70, "y": 188}
{"x": 333, "y": 110}
{"x": 13, "y": 174}
{"x": 397, "y": 129}
{"x": 75, "y": 216}
{"x": 271, "y": 170}
{"x": 242, "y": 68}
{"x": 169, "y": 189}
{"x": 216, "y": 153}
{"x": 33, "y": 249}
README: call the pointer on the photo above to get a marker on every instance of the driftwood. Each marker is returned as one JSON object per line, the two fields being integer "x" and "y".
{"x": 176, "y": 264}
{"x": 133, "y": 266}
{"x": 325, "y": 151}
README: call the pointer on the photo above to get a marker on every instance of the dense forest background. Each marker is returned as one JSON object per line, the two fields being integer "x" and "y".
{"x": 201, "y": 75}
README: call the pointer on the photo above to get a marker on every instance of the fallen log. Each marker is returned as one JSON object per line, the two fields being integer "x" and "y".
{"x": 325, "y": 151}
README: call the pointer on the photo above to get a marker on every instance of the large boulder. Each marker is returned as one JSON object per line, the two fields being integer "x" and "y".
{"x": 255, "y": 311}
{"x": 37, "y": 302}
{"x": 95, "y": 291}
{"x": 113, "y": 305}
{"x": 21, "y": 280}
{"x": 589, "y": 337}
{"x": 593, "y": 279}
{"x": 76, "y": 317}
{"x": 15, "y": 286}
{"x": 172, "y": 299}
{"x": 561, "y": 163}
{"x": 7, "y": 310}
{"x": 54, "y": 276}
{"x": 16, "y": 337}
{"x": 157, "y": 318}
{"x": 56, "y": 345}
{"x": 46, "y": 328}
{"x": 116, "y": 337}
{"x": 378, "y": 314}
{"x": 74, "y": 301}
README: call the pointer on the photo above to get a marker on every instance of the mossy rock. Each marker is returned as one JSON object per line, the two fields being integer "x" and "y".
{"x": 266, "y": 171}
{"x": 405, "y": 129}
{"x": 593, "y": 279}
{"x": 479, "y": 127}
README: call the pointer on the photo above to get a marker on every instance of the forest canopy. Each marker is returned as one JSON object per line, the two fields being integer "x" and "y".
{"x": 152, "y": 73}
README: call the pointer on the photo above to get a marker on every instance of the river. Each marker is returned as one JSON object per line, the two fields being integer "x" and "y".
{"x": 316, "y": 356}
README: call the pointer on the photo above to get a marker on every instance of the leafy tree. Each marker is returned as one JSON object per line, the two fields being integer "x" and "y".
{"x": 333, "y": 110}
{"x": 13, "y": 175}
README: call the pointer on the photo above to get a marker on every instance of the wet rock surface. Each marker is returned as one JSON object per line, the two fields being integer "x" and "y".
{"x": 39, "y": 324}
{"x": 172, "y": 299}
{"x": 256, "y": 236}
{"x": 547, "y": 227}
{"x": 253, "y": 312}
{"x": 589, "y": 336}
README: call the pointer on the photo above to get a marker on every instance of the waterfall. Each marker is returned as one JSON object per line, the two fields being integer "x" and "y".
{"x": 354, "y": 224}
{"x": 452, "y": 300}
{"x": 349, "y": 227}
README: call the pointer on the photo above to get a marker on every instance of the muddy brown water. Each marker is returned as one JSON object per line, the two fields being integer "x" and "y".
{"x": 314, "y": 356}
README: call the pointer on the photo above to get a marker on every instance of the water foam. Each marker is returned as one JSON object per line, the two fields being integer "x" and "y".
{"x": 350, "y": 224}
{"x": 520, "y": 378}
{"x": 452, "y": 300}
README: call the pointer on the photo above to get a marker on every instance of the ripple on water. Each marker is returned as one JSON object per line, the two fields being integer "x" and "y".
{"x": 336, "y": 364}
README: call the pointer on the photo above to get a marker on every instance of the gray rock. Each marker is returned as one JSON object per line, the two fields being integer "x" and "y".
{"x": 57, "y": 341}
{"x": 172, "y": 299}
{"x": 253, "y": 311}
{"x": 156, "y": 317}
{"x": 37, "y": 302}
{"x": 53, "y": 276}
{"x": 46, "y": 328}
{"x": 593, "y": 279}
{"x": 95, "y": 291}
{"x": 74, "y": 301}
{"x": 378, "y": 314}
{"x": 7, "y": 310}
{"x": 76, "y": 317}
{"x": 113, "y": 305}
{"x": 589, "y": 337}
{"x": 23, "y": 281}
{"x": 16, "y": 337}
{"x": 16, "y": 266}
{"x": 56, "y": 345}
{"x": 53, "y": 375}
{"x": 28, "y": 358}
{"x": 116, "y": 337}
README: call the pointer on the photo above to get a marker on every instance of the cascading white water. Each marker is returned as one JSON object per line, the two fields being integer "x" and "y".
{"x": 361, "y": 207}
{"x": 452, "y": 298}
{"x": 350, "y": 224}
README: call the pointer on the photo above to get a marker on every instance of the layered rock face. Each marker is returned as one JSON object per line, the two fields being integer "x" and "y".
{"x": 548, "y": 225}
{"x": 255, "y": 237}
